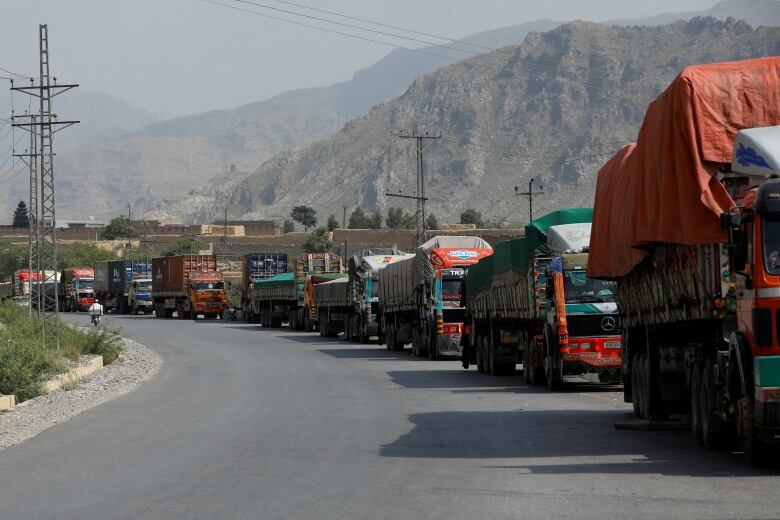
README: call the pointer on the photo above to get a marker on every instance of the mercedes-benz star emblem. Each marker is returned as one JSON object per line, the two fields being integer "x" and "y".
{"x": 609, "y": 324}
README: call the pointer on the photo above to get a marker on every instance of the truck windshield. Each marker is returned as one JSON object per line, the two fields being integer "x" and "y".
{"x": 451, "y": 288}
{"x": 207, "y": 286}
{"x": 85, "y": 285}
{"x": 144, "y": 287}
{"x": 771, "y": 231}
{"x": 579, "y": 288}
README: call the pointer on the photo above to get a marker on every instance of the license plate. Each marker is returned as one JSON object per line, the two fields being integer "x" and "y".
{"x": 612, "y": 344}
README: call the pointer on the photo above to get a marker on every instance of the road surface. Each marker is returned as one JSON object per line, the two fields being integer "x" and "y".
{"x": 248, "y": 423}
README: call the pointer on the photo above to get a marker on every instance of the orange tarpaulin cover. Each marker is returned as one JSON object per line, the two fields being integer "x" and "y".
{"x": 664, "y": 187}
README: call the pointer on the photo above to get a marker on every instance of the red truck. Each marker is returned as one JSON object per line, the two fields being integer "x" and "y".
{"x": 77, "y": 289}
{"x": 687, "y": 222}
{"x": 188, "y": 285}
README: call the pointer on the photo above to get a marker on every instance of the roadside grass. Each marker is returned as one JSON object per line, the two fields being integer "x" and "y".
{"x": 25, "y": 364}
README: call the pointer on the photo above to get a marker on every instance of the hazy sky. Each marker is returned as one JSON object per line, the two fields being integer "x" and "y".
{"x": 175, "y": 57}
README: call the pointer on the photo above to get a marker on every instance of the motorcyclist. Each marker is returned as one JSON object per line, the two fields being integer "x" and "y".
{"x": 95, "y": 312}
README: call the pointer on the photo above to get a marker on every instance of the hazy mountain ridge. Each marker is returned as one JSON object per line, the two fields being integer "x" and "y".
{"x": 554, "y": 107}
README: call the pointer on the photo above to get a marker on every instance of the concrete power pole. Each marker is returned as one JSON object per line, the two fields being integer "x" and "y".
{"x": 44, "y": 129}
{"x": 420, "y": 181}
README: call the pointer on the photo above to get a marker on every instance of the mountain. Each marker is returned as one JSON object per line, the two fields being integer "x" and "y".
{"x": 553, "y": 108}
{"x": 755, "y": 12}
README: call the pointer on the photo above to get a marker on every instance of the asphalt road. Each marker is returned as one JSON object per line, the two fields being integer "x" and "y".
{"x": 248, "y": 423}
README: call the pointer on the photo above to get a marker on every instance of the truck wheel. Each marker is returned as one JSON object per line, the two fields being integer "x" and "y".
{"x": 389, "y": 337}
{"x": 348, "y": 329}
{"x": 695, "y": 403}
{"x": 479, "y": 355}
{"x": 433, "y": 349}
{"x": 714, "y": 432}
{"x": 755, "y": 451}
{"x": 637, "y": 397}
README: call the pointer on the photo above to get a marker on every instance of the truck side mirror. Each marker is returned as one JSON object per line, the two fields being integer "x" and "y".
{"x": 737, "y": 246}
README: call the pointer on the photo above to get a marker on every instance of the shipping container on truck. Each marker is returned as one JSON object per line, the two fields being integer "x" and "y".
{"x": 77, "y": 289}
{"x": 188, "y": 285}
{"x": 284, "y": 297}
{"x": 420, "y": 298}
{"x": 333, "y": 303}
{"x": 687, "y": 222}
{"x": 531, "y": 302}
{"x": 113, "y": 280}
{"x": 258, "y": 266}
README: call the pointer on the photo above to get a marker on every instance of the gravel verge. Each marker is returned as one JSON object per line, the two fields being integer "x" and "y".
{"x": 136, "y": 364}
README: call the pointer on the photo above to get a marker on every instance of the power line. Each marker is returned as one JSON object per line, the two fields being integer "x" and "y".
{"x": 555, "y": 160}
{"x": 20, "y": 76}
{"x": 380, "y": 24}
{"x": 352, "y": 26}
{"x": 327, "y": 30}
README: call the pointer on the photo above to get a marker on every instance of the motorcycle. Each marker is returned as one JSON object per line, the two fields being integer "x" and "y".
{"x": 95, "y": 319}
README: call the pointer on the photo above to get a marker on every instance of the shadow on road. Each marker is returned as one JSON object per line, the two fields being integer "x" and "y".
{"x": 457, "y": 378}
{"x": 549, "y": 434}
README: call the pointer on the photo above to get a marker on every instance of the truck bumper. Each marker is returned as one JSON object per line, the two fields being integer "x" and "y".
{"x": 766, "y": 373}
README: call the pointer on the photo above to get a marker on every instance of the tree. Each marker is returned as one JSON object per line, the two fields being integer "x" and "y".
{"x": 397, "y": 218}
{"x": 431, "y": 222}
{"x": 21, "y": 218}
{"x": 305, "y": 216}
{"x": 83, "y": 254}
{"x": 184, "y": 245}
{"x": 471, "y": 216}
{"x": 375, "y": 220}
{"x": 119, "y": 228}
{"x": 332, "y": 222}
{"x": 358, "y": 219}
{"x": 12, "y": 257}
{"x": 289, "y": 226}
{"x": 318, "y": 241}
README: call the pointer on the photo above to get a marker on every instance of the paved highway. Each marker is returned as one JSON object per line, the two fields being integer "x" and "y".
{"x": 248, "y": 423}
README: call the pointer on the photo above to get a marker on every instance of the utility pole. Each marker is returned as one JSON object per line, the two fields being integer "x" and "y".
{"x": 530, "y": 194}
{"x": 45, "y": 127}
{"x": 30, "y": 157}
{"x": 420, "y": 180}
{"x": 224, "y": 228}
{"x": 344, "y": 226}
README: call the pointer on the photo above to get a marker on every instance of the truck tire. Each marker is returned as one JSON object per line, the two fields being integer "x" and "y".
{"x": 637, "y": 397}
{"x": 715, "y": 434}
{"x": 552, "y": 369}
{"x": 695, "y": 403}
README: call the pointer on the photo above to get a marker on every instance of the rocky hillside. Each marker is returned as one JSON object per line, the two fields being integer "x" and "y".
{"x": 554, "y": 107}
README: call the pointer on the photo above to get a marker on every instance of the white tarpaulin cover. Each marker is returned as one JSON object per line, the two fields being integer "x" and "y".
{"x": 569, "y": 237}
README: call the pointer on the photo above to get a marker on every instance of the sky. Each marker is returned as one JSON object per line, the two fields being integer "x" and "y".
{"x": 177, "y": 57}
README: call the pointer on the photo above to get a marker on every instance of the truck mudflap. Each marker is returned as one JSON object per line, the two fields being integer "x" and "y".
{"x": 766, "y": 373}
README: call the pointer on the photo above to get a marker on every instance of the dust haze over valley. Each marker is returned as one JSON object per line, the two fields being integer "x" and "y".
{"x": 543, "y": 97}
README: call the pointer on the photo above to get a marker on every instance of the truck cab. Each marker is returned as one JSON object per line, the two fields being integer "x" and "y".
{"x": 582, "y": 335}
{"x": 449, "y": 311}
{"x": 207, "y": 293}
{"x": 140, "y": 295}
{"x": 752, "y": 362}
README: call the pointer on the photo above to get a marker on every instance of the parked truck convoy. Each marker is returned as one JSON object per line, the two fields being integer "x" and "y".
{"x": 420, "y": 298}
{"x": 188, "y": 285}
{"x": 687, "y": 222}
{"x": 77, "y": 289}
{"x": 532, "y": 302}
{"x": 22, "y": 283}
{"x": 115, "y": 288}
{"x": 258, "y": 266}
{"x": 351, "y": 305}
{"x": 288, "y": 297}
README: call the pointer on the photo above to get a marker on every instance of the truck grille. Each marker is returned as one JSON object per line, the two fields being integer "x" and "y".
{"x": 593, "y": 325}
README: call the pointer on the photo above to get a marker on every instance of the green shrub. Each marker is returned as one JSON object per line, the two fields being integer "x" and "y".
{"x": 25, "y": 364}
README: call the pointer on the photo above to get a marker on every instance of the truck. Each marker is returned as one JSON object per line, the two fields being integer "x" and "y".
{"x": 257, "y": 266}
{"x": 23, "y": 283}
{"x": 364, "y": 319}
{"x": 333, "y": 304}
{"x": 188, "y": 285}
{"x": 114, "y": 280}
{"x": 77, "y": 288}
{"x": 532, "y": 302}
{"x": 420, "y": 298}
{"x": 285, "y": 297}
{"x": 687, "y": 223}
